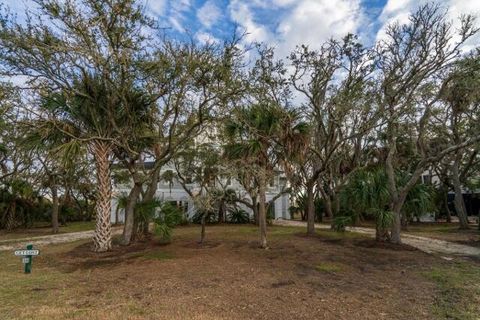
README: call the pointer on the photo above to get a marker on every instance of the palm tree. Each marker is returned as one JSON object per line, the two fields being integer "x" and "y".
{"x": 366, "y": 193}
{"x": 93, "y": 116}
{"x": 92, "y": 56}
{"x": 252, "y": 134}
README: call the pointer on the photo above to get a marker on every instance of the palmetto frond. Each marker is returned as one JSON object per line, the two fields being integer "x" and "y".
{"x": 367, "y": 192}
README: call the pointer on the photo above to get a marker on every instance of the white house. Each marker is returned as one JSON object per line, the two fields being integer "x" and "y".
{"x": 174, "y": 192}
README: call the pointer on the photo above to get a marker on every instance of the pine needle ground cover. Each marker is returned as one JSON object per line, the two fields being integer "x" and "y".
{"x": 329, "y": 276}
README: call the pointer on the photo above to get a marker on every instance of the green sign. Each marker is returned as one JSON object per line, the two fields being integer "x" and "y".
{"x": 27, "y": 257}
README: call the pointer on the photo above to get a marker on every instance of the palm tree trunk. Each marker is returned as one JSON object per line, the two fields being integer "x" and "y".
{"x": 458, "y": 201}
{"x": 54, "y": 209}
{"x": 262, "y": 214}
{"x": 310, "y": 210}
{"x": 128, "y": 227}
{"x": 102, "y": 238}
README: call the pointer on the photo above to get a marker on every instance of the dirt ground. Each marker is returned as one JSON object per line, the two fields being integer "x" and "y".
{"x": 331, "y": 276}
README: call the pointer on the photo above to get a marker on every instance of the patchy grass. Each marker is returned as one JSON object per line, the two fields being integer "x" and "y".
{"x": 334, "y": 235}
{"x": 299, "y": 277}
{"x": 157, "y": 255}
{"x": 78, "y": 226}
{"x": 459, "y": 290}
{"x": 329, "y": 267}
{"x": 45, "y": 286}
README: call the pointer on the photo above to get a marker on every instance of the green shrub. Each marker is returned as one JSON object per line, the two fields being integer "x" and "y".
{"x": 168, "y": 217}
{"x": 341, "y": 222}
{"x": 238, "y": 215}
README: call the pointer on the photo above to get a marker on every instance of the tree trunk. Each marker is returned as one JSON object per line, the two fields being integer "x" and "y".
{"x": 336, "y": 204}
{"x": 404, "y": 222}
{"x": 117, "y": 211}
{"x": 310, "y": 211}
{"x": 396, "y": 198}
{"x": 202, "y": 232}
{"x": 102, "y": 238}
{"x": 55, "y": 208}
{"x": 128, "y": 228}
{"x": 10, "y": 224}
{"x": 150, "y": 195}
{"x": 255, "y": 214}
{"x": 262, "y": 214}
{"x": 381, "y": 234}
{"x": 327, "y": 201}
{"x": 396, "y": 208}
{"x": 447, "y": 209}
{"x": 221, "y": 212}
{"x": 458, "y": 201}
{"x": 255, "y": 210}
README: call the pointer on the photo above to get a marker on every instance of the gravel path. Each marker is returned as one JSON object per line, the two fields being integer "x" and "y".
{"x": 13, "y": 244}
{"x": 424, "y": 244}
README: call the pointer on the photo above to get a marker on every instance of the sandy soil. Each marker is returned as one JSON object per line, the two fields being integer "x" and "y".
{"x": 13, "y": 244}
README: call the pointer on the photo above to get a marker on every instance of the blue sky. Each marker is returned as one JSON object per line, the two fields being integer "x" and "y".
{"x": 283, "y": 23}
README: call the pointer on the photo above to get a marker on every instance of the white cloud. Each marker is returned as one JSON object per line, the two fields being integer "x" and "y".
{"x": 399, "y": 10}
{"x": 241, "y": 14}
{"x": 205, "y": 37}
{"x": 283, "y": 3}
{"x": 309, "y": 22}
{"x": 157, "y": 7}
{"x": 177, "y": 11}
{"x": 208, "y": 14}
{"x": 312, "y": 22}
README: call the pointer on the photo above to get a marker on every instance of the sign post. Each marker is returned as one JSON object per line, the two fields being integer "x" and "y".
{"x": 28, "y": 260}
{"x": 27, "y": 257}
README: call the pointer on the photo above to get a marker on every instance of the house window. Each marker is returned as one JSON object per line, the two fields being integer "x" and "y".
{"x": 427, "y": 179}
{"x": 272, "y": 182}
